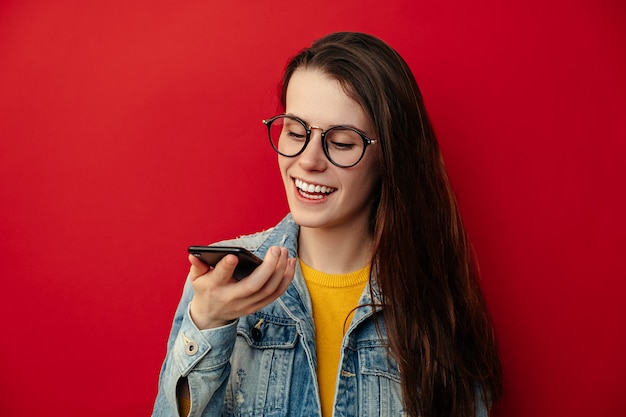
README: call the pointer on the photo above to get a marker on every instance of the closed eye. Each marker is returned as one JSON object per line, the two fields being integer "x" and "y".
{"x": 343, "y": 146}
{"x": 295, "y": 135}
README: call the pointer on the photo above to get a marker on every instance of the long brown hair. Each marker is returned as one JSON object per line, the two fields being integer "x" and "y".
{"x": 438, "y": 327}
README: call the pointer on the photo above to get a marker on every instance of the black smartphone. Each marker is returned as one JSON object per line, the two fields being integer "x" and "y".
{"x": 211, "y": 255}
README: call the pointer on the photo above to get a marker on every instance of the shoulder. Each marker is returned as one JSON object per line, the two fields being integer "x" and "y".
{"x": 285, "y": 233}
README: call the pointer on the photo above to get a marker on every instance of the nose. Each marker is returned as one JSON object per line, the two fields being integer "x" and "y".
{"x": 313, "y": 157}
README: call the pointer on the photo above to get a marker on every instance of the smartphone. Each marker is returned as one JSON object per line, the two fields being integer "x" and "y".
{"x": 211, "y": 255}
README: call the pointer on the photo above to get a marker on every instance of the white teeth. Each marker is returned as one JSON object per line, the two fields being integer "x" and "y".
{"x": 313, "y": 196}
{"x": 310, "y": 188}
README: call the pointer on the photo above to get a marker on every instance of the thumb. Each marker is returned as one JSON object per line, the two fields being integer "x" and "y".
{"x": 198, "y": 267}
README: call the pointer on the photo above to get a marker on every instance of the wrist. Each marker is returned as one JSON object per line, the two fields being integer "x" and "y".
{"x": 202, "y": 322}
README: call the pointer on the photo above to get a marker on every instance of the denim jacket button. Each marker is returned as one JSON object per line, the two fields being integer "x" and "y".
{"x": 255, "y": 331}
{"x": 256, "y": 334}
{"x": 191, "y": 347}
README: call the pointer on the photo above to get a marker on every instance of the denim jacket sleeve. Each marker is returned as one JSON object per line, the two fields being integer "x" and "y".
{"x": 202, "y": 356}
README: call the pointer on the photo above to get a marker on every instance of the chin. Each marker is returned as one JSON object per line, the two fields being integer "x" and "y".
{"x": 308, "y": 219}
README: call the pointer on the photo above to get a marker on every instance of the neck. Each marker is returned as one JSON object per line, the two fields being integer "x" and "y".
{"x": 336, "y": 251}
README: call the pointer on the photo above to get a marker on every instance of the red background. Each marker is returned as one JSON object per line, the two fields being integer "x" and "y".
{"x": 132, "y": 129}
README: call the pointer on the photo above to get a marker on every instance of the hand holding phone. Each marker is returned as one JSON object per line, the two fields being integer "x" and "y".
{"x": 218, "y": 299}
{"x": 211, "y": 255}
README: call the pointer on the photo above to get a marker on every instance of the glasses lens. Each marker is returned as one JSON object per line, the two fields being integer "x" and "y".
{"x": 345, "y": 146}
{"x": 288, "y": 136}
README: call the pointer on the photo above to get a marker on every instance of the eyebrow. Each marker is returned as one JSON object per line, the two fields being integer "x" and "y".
{"x": 331, "y": 126}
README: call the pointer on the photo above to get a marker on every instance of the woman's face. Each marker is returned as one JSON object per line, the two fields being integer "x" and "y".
{"x": 320, "y": 194}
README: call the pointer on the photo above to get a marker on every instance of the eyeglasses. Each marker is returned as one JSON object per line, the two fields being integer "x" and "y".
{"x": 344, "y": 146}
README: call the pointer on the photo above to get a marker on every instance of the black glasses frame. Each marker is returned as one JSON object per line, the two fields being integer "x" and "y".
{"x": 366, "y": 141}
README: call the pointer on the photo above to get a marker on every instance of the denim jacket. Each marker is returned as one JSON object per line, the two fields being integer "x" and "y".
{"x": 264, "y": 364}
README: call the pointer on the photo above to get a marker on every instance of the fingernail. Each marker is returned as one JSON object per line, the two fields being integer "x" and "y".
{"x": 275, "y": 251}
{"x": 292, "y": 262}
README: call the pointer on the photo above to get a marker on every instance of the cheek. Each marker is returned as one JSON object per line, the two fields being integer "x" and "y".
{"x": 373, "y": 186}
{"x": 364, "y": 186}
{"x": 283, "y": 165}
{"x": 372, "y": 172}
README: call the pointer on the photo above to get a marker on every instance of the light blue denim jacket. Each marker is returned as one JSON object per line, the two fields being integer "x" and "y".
{"x": 265, "y": 363}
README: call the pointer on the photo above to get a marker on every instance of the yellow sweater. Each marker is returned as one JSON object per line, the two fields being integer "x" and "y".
{"x": 334, "y": 298}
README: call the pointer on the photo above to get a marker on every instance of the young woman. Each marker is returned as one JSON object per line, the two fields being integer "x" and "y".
{"x": 367, "y": 302}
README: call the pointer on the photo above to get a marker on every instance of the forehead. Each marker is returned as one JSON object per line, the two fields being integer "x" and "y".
{"x": 321, "y": 100}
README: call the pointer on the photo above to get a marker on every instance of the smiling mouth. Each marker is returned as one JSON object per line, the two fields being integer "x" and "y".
{"x": 313, "y": 191}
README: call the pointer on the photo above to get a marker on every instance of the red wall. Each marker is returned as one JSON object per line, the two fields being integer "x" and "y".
{"x": 130, "y": 130}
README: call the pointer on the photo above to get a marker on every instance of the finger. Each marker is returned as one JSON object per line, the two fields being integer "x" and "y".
{"x": 288, "y": 275}
{"x": 274, "y": 282}
{"x": 260, "y": 276}
{"x": 290, "y": 271}
{"x": 277, "y": 283}
{"x": 286, "y": 280}
{"x": 225, "y": 268}
{"x": 197, "y": 268}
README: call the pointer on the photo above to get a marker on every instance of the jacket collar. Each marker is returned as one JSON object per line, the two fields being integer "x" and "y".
{"x": 286, "y": 234}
